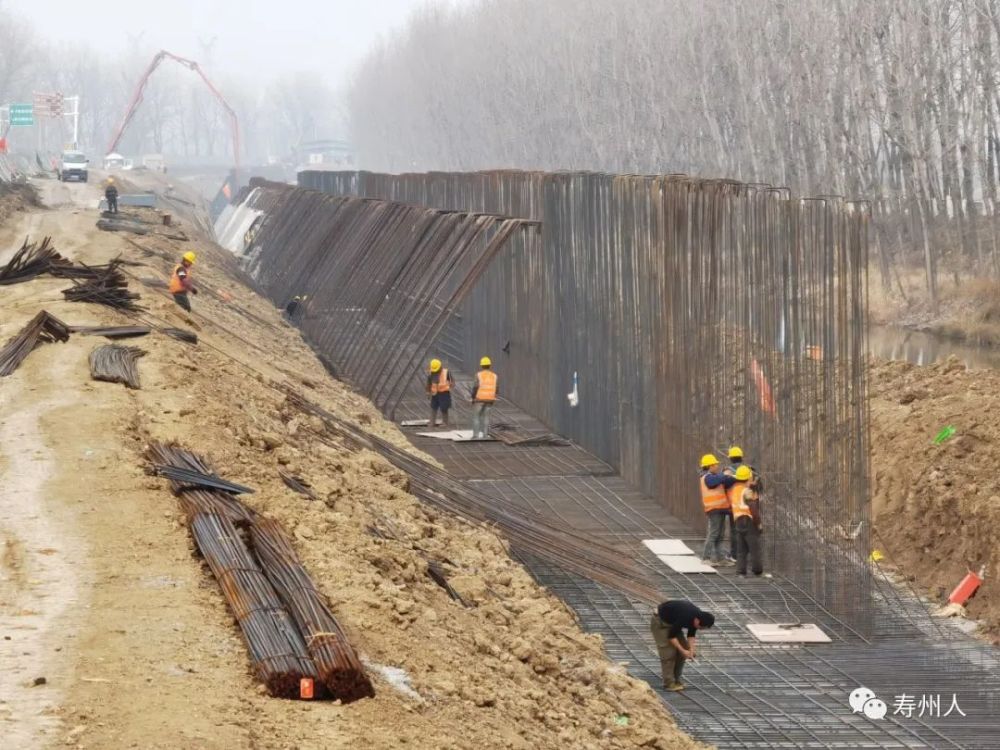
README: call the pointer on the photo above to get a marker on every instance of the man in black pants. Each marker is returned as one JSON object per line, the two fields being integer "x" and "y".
{"x": 669, "y": 621}
{"x": 111, "y": 196}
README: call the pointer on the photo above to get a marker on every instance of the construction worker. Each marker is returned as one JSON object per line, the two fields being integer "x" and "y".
{"x": 745, "y": 505}
{"x": 111, "y": 196}
{"x": 669, "y": 621}
{"x": 713, "y": 485}
{"x": 295, "y": 308}
{"x": 439, "y": 385}
{"x": 181, "y": 281}
{"x": 484, "y": 393}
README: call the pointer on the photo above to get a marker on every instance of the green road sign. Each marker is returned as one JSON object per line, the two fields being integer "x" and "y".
{"x": 22, "y": 115}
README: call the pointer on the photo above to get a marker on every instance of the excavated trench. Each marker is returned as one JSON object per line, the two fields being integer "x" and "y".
{"x": 389, "y": 284}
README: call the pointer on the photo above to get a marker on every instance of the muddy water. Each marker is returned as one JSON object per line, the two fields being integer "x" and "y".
{"x": 887, "y": 342}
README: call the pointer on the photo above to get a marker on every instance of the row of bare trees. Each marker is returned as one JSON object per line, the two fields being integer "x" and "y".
{"x": 178, "y": 115}
{"x": 894, "y": 102}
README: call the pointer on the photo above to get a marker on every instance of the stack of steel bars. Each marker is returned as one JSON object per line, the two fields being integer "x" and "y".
{"x": 105, "y": 285}
{"x": 339, "y": 667}
{"x": 30, "y": 261}
{"x": 112, "y": 332}
{"x": 263, "y": 589}
{"x": 527, "y": 531}
{"x": 116, "y": 364}
{"x": 42, "y": 328}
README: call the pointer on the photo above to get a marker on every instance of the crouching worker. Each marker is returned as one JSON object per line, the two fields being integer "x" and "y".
{"x": 747, "y": 519}
{"x": 669, "y": 622}
{"x": 181, "y": 281}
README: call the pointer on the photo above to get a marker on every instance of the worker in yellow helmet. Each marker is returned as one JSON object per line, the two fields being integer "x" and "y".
{"x": 745, "y": 504}
{"x": 111, "y": 196}
{"x": 484, "y": 394}
{"x": 713, "y": 484}
{"x": 181, "y": 281}
{"x": 439, "y": 385}
{"x": 735, "y": 462}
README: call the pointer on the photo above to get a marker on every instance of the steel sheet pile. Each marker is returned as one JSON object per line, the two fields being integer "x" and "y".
{"x": 43, "y": 328}
{"x": 116, "y": 364}
{"x": 288, "y": 628}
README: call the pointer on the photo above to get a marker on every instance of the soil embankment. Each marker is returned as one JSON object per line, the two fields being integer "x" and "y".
{"x": 103, "y": 594}
{"x": 937, "y": 507}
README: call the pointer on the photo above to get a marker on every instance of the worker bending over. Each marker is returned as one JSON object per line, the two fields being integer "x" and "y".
{"x": 668, "y": 624}
{"x": 484, "y": 393}
{"x": 745, "y": 503}
{"x": 439, "y": 385}
{"x": 181, "y": 281}
{"x": 111, "y": 196}
{"x": 713, "y": 485}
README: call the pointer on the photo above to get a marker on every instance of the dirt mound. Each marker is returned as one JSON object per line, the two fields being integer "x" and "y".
{"x": 15, "y": 198}
{"x": 937, "y": 507}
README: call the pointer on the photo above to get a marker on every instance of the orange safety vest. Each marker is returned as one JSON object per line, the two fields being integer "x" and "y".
{"x": 713, "y": 498}
{"x": 737, "y": 501}
{"x": 176, "y": 285}
{"x": 486, "y": 380}
{"x": 442, "y": 385}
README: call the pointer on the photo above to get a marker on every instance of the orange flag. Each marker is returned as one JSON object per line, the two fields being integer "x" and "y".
{"x": 763, "y": 389}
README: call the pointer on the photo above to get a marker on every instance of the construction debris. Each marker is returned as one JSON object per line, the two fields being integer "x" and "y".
{"x": 105, "y": 285}
{"x": 288, "y": 628}
{"x": 436, "y": 573}
{"x": 43, "y": 328}
{"x": 116, "y": 364}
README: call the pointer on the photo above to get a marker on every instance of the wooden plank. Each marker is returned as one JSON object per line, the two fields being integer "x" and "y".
{"x": 686, "y": 564}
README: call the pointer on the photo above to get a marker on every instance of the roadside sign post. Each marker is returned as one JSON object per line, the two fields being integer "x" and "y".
{"x": 22, "y": 115}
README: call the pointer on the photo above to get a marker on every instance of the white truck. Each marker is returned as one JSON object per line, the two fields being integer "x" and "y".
{"x": 73, "y": 165}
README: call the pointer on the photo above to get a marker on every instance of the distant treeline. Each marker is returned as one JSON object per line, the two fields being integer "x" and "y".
{"x": 892, "y": 101}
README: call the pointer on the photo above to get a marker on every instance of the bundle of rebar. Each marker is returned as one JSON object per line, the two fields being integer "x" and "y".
{"x": 116, "y": 364}
{"x": 297, "y": 484}
{"x": 112, "y": 332}
{"x": 181, "y": 335}
{"x": 339, "y": 667}
{"x": 289, "y": 630}
{"x": 30, "y": 261}
{"x": 43, "y": 328}
{"x": 104, "y": 285}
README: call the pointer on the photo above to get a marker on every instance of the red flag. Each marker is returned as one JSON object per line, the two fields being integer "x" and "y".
{"x": 763, "y": 389}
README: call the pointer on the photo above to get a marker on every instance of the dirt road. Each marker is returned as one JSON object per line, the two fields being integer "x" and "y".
{"x": 103, "y": 595}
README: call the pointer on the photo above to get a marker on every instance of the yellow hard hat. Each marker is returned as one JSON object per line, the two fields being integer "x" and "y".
{"x": 736, "y": 452}
{"x": 190, "y": 257}
{"x": 435, "y": 365}
{"x": 743, "y": 474}
{"x": 485, "y": 362}
{"x": 708, "y": 460}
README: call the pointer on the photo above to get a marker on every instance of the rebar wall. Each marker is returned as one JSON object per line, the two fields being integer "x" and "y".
{"x": 696, "y": 313}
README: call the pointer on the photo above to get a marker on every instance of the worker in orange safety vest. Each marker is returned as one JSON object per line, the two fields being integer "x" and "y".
{"x": 713, "y": 485}
{"x": 439, "y": 385}
{"x": 484, "y": 394}
{"x": 745, "y": 504}
{"x": 181, "y": 281}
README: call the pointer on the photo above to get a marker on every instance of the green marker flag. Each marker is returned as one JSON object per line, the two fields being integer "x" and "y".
{"x": 946, "y": 433}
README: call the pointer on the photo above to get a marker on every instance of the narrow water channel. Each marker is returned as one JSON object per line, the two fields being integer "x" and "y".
{"x": 922, "y": 348}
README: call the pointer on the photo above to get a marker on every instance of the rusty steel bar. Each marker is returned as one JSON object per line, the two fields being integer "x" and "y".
{"x": 43, "y": 328}
{"x": 116, "y": 364}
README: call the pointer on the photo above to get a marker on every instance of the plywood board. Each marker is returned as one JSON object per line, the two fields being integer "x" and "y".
{"x": 686, "y": 564}
{"x": 775, "y": 633}
{"x": 667, "y": 547}
{"x": 448, "y": 434}
{"x": 415, "y": 423}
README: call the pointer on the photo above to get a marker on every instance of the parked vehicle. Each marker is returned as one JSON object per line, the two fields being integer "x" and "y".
{"x": 73, "y": 165}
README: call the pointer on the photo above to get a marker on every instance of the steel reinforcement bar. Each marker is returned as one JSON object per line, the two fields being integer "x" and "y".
{"x": 696, "y": 314}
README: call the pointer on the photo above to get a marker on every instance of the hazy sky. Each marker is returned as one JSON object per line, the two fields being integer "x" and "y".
{"x": 261, "y": 36}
